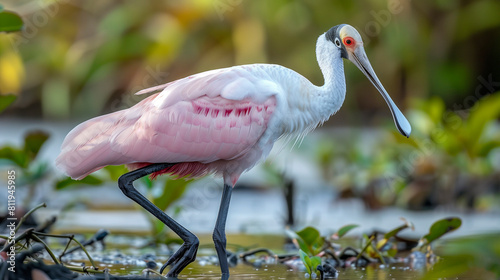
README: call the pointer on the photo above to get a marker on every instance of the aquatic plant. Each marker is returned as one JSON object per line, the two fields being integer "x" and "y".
{"x": 317, "y": 251}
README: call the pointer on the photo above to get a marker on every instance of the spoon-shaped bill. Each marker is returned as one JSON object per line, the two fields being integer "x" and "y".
{"x": 358, "y": 57}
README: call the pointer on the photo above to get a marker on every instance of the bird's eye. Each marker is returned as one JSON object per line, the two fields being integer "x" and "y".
{"x": 337, "y": 42}
{"x": 348, "y": 41}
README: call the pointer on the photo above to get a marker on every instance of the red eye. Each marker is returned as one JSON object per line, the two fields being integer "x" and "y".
{"x": 349, "y": 41}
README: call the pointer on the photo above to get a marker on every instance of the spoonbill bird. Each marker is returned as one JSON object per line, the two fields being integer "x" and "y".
{"x": 221, "y": 121}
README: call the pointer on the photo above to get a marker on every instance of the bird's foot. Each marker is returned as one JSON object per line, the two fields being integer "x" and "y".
{"x": 180, "y": 259}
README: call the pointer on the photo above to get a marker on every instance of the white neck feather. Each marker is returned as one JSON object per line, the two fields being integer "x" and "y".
{"x": 308, "y": 105}
{"x": 329, "y": 98}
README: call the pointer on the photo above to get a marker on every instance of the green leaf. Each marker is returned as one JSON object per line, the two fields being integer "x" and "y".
{"x": 468, "y": 254}
{"x": 399, "y": 229}
{"x": 306, "y": 260}
{"x": 172, "y": 191}
{"x": 115, "y": 171}
{"x": 158, "y": 226}
{"x": 375, "y": 252}
{"x": 14, "y": 155}
{"x": 89, "y": 180}
{"x": 309, "y": 235}
{"x": 394, "y": 232}
{"x": 439, "y": 229}
{"x": 315, "y": 262}
{"x": 476, "y": 17}
{"x": 10, "y": 22}
{"x": 485, "y": 148}
{"x": 35, "y": 173}
{"x": 147, "y": 182}
{"x": 344, "y": 230}
{"x": 6, "y": 100}
{"x": 297, "y": 240}
{"x": 367, "y": 246}
{"x": 434, "y": 108}
{"x": 311, "y": 239}
{"x": 33, "y": 141}
{"x": 392, "y": 251}
{"x": 484, "y": 112}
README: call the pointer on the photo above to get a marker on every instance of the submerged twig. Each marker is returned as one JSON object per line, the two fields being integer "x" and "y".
{"x": 332, "y": 254}
{"x": 84, "y": 269}
{"x": 256, "y": 251}
{"x": 149, "y": 270}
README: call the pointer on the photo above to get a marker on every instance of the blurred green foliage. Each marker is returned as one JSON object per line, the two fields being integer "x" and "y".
{"x": 81, "y": 58}
{"x": 455, "y": 151}
{"x": 473, "y": 253}
{"x": 343, "y": 231}
{"x": 311, "y": 263}
{"x": 164, "y": 193}
{"x": 31, "y": 169}
{"x": 6, "y": 100}
{"x": 439, "y": 229}
{"x": 309, "y": 240}
{"x": 10, "y": 21}
{"x": 383, "y": 247}
{"x": 450, "y": 159}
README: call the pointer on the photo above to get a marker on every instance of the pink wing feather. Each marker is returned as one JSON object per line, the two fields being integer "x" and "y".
{"x": 212, "y": 116}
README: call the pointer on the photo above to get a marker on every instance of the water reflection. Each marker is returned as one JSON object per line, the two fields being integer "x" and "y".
{"x": 133, "y": 262}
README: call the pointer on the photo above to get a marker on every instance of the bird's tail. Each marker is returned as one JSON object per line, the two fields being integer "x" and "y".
{"x": 87, "y": 148}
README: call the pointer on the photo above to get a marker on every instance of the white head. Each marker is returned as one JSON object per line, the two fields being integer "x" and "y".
{"x": 348, "y": 41}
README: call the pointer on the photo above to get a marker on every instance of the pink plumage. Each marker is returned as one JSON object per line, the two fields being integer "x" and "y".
{"x": 189, "y": 122}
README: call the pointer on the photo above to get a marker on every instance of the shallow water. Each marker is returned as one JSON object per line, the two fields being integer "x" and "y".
{"x": 278, "y": 271}
{"x": 130, "y": 261}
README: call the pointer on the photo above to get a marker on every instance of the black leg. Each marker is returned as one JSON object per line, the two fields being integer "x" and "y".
{"x": 219, "y": 235}
{"x": 187, "y": 252}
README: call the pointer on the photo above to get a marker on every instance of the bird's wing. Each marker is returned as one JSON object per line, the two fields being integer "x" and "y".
{"x": 154, "y": 89}
{"x": 235, "y": 83}
{"x": 216, "y": 115}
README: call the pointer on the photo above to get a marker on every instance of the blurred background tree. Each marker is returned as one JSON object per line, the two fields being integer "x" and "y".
{"x": 81, "y": 59}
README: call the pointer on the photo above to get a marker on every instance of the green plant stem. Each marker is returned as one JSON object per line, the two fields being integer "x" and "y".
{"x": 84, "y": 269}
{"x": 66, "y": 248}
{"x": 381, "y": 258}
{"x": 38, "y": 239}
{"x": 71, "y": 238}
{"x": 17, "y": 239}
{"x": 366, "y": 247}
{"x": 331, "y": 254}
{"x": 28, "y": 214}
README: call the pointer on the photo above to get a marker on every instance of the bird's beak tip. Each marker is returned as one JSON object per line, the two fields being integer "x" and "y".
{"x": 403, "y": 126}
{"x": 362, "y": 62}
